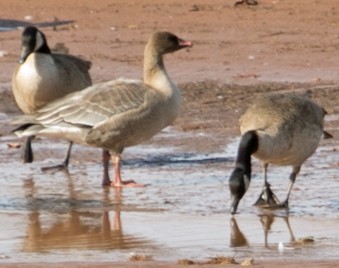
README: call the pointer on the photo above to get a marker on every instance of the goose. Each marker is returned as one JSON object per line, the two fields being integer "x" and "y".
{"x": 279, "y": 129}
{"x": 115, "y": 114}
{"x": 42, "y": 77}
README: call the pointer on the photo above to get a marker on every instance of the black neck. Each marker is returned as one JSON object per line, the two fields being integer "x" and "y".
{"x": 248, "y": 145}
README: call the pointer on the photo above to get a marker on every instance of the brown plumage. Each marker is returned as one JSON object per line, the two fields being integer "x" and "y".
{"x": 115, "y": 114}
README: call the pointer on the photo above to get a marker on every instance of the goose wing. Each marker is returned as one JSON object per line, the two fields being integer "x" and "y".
{"x": 73, "y": 67}
{"x": 95, "y": 104}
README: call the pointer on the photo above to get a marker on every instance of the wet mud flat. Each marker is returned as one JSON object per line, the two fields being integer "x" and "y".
{"x": 61, "y": 216}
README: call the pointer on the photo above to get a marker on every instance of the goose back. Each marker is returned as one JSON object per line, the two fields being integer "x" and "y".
{"x": 289, "y": 128}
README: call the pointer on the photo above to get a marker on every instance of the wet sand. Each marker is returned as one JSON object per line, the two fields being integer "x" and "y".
{"x": 59, "y": 219}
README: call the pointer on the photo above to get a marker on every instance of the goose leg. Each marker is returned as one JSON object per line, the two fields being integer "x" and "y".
{"x": 267, "y": 197}
{"x": 26, "y": 152}
{"x": 64, "y": 164}
{"x": 292, "y": 238}
{"x": 266, "y": 221}
{"x": 105, "y": 160}
{"x": 68, "y": 155}
{"x": 293, "y": 176}
{"x": 118, "y": 182}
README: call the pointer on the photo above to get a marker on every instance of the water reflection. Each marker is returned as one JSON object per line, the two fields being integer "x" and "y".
{"x": 238, "y": 239}
{"x": 268, "y": 220}
{"x": 96, "y": 228}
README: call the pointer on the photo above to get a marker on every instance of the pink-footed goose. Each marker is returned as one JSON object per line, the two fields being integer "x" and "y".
{"x": 280, "y": 129}
{"x": 42, "y": 77}
{"x": 115, "y": 114}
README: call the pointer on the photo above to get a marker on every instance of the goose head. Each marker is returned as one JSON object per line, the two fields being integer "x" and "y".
{"x": 159, "y": 44}
{"x": 239, "y": 182}
{"x": 32, "y": 40}
{"x": 166, "y": 42}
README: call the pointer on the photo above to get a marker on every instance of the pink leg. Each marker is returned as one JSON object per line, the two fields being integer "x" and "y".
{"x": 118, "y": 182}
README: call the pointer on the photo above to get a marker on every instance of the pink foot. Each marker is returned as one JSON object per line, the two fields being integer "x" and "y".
{"x": 129, "y": 183}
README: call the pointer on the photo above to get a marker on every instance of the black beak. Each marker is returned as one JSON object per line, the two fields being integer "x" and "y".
{"x": 24, "y": 54}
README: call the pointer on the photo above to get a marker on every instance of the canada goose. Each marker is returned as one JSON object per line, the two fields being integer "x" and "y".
{"x": 118, "y": 113}
{"x": 277, "y": 129}
{"x": 42, "y": 76}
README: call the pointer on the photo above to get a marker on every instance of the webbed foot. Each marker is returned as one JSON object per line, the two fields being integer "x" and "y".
{"x": 128, "y": 183}
{"x": 267, "y": 198}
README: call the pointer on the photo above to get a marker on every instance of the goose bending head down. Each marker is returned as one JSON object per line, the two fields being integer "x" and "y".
{"x": 42, "y": 77}
{"x": 118, "y": 113}
{"x": 277, "y": 129}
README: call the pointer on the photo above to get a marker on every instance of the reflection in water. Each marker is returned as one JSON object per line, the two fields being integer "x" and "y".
{"x": 75, "y": 233}
{"x": 238, "y": 239}
{"x": 77, "y": 229}
{"x": 267, "y": 221}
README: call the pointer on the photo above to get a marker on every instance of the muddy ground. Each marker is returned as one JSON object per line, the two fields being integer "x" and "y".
{"x": 239, "y": 53}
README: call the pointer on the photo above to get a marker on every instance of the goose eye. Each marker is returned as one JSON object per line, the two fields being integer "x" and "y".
{"x": 172, "y": 38}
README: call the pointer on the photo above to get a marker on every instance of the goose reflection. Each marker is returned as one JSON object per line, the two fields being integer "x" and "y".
{"x": 268, "y": 220}
{"x": 238, "y": 239}
{"x": 80, "y": 227}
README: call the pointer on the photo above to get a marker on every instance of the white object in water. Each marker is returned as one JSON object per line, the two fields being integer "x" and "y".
{"x": 281, "y": 247}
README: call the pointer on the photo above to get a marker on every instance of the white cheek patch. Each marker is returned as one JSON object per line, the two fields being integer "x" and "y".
{"x": 39, "y": 41}
{"x": 246, "y": 182}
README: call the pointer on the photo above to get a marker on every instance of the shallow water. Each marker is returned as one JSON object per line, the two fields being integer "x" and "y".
{"x": 183, "y": 213}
